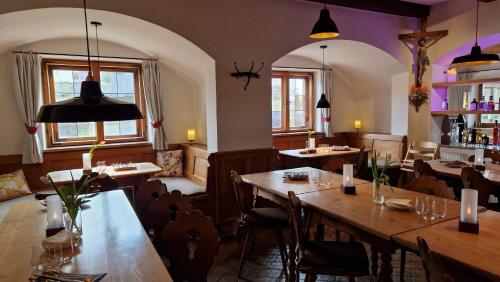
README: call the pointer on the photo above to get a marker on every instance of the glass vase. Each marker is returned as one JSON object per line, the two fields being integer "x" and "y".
{"x": 377, "y": 196}
{"x": 73, "y": 222}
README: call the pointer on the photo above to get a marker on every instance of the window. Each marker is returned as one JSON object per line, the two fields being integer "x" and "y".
{"x": 62, "y": 80}
{"x": 292, "y": 94}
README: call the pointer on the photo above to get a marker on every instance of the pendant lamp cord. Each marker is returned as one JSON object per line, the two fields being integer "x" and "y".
{"x": 87, "y": 37}
{"x": 477, "y": 18}
{"x": 98, "y": 54}
{"x": 323, "y": 76}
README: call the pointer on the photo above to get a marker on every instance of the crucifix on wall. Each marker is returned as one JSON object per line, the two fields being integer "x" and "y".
{"x": 418, "y": 43}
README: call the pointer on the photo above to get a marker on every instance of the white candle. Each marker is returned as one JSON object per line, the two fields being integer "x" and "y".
{"x": 347, "y": 175}
{"x": 312, "y": 143}
{"x": 479, "y": 156}
{"x": 468, "y": 206}
{"x": 54, "y": 212}
{"x": 87, "y": 165}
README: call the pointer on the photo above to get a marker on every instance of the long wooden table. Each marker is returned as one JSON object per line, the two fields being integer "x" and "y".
{"x": 355, "y": 214}
{"x": 478, "y": 252}
{"x": 114, "y": 242}
{"x": 293, "y": 158}
{"x": 440, "y": 168}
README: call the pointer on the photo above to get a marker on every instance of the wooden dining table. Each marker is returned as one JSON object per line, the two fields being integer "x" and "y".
{"x": 478, "y": 253}
{"x": 294, "y": 158}
{"x": 113, "y": 242}
{"x": 441, "y": 169}
{"x": 354, "y": 214}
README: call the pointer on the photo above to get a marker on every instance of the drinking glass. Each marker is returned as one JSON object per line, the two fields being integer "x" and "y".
{"x": 314, "y": 176}
{"x": 101, "y": 166}
{"x": 429, "y": 207}
{"x": 441, "y": 207}
{"x": 39, "y": 258}
{"x": 419, "y": 204}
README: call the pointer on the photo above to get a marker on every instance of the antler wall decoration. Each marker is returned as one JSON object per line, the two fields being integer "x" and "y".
{"x": 248, "y": 74}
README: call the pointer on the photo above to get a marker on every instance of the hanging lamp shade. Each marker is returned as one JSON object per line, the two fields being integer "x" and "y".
{"x": 325, "y": 27}
{"x": 323, "y": 102}
{"x": 91, "y": 105}
{"x": 475, "y": 58}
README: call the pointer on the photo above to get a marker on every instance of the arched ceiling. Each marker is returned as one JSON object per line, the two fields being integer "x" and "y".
{"x": 29, "y": 26}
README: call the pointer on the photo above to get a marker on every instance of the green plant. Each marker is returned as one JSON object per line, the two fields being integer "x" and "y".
{"x": 379, "y": 175}
{"x": 95, "y": 146}
{"x": 309, "y": 134}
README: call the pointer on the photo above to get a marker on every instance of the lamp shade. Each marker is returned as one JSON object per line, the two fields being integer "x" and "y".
{"x": 323, "y": 103}
{"x": 325, "y": 27}
{"x": 91, "y": 106}
{"x": 475, "y": 58}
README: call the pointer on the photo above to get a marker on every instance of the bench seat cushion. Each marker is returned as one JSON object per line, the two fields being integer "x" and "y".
{"x": 5, "y": 205}
{"x": 186, "y": 186}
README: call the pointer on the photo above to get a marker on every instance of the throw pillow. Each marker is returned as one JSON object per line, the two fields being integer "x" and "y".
{"x": 13, "y": 185}
{"x": 170, "y": 162}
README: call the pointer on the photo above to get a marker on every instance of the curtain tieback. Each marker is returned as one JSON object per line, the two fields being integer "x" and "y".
{"x": 326, "y": 119}
{"x": 31, "y": 129}
{"x": 158, "y": 123}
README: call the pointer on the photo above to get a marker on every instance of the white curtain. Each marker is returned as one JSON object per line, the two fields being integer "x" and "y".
{"x": 28, "y": 97}
{"x": 326, "y": 119}
{"x": 152, "y": 93}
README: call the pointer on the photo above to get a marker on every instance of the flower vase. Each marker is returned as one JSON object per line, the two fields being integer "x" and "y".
{"x": 74, "y": 222}
{"x": 377, "y": 196}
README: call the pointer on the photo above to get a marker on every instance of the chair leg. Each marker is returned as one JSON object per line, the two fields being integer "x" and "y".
{"x": 337, "y": 235}
{"x": 403, "y": 264}
{"x": 320, "y": 232}
{"x": 246, "y": 247}
{"x": 282, "y": 248}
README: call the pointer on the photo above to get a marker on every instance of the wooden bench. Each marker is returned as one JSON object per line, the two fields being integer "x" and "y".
{"x": 195, "y": 171}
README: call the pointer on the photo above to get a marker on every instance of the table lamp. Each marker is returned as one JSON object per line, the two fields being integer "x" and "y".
{"x": 468, "y": 212}
{"x": 191, "y": 135}
{"x": 357, "y": 125}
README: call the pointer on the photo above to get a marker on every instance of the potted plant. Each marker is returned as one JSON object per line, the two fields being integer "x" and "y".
{"x": 379, "y": 177}
{"x": 418, "y": 96}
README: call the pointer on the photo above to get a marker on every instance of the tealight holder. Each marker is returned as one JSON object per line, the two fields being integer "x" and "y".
{"x": 468, "y": 227}
{"x": 349, "y": 190}
{"x": 468, "y": 212}
{"x": 348, "y": 180}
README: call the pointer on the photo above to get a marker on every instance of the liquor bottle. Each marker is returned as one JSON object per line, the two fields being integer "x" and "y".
{"x": 495, "y": 133}
{"x": 461, "y": 126}
{"x": 479, "y": 134}
{"x": 491, "y": 104}
{"x": 485, "y": 140}
{"x": 473, "y": 105}
{"x": 444, "y": 106}
{"x": 465, "y": 101}
{"x": 482, "y": 104}
{"x": 473, "y": 133}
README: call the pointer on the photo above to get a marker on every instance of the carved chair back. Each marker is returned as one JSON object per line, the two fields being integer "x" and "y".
{"x": 166, "y": 208}
{"x": 430, "y": 185}
{"x": 474, "y": 179}
{"x": 150, "y": 191}
{"x": 433, "y": 267}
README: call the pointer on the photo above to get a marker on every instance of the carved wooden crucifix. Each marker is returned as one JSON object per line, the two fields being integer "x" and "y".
{"x": 418, "y": 43}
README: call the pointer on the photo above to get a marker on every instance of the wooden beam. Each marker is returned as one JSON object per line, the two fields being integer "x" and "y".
{"x": 427, "y": 34}
{"x": 392, "y": 7}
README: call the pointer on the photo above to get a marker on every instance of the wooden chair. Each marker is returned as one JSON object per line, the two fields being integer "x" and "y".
{"x": 426, "y": 185}
{"x": 165, "y": 209}
{"x": 103, "y": 183}
{"x": 421, "y": 168}
{"x": 431, "y": 186}
{"x": 434, "y": 269}
{"x": 253, "y": 219}
{"x": 325, "y": 257}
{"x": 150, "y": 191}
{"x": 473, "y": 179}
{"x": 418, "y": 150}
{"x": 190, "y": 243}
{"x": 360, "y": 162}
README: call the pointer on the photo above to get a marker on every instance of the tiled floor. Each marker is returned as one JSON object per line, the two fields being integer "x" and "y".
{"x": 264, "y": 264}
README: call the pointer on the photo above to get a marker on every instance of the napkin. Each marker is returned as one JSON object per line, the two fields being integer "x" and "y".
{"x": 402, "y": 202}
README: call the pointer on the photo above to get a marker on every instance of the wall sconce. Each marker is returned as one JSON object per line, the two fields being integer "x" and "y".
{"x": 357, "y": 125}
{"x": 191, "y": 135}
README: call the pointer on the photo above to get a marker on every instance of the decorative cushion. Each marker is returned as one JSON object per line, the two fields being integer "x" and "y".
{"x": 170, "y": 162}
{"x": 13, "y": 185}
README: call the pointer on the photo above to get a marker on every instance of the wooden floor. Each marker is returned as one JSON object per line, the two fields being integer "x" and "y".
{"x": 264, "y": 264}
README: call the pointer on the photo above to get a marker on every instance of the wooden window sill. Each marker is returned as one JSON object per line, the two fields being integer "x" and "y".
{"x": 298, "y": 133}
{"x": 87, "y": 147}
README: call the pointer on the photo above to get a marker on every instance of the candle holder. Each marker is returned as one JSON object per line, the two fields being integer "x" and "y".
{"x": 468, "y": 227}
{"x": 53, "y": 231}
{"x": 348, "y": 190}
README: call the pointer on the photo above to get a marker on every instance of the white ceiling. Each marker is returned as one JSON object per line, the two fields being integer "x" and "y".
{"x": 426, "y": 2}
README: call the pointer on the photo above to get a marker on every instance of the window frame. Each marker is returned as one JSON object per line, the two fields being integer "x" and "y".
{"x": 48, "y": 88}
{"x": 285, "y": 101}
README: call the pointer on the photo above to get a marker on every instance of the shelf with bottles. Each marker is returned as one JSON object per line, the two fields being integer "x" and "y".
{"x": 463, "y": 112}
{"x": 465, "y": 82}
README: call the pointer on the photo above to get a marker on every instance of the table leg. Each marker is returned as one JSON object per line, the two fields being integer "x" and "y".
{"x": 291, "y": 251}
{"x": 386, "y": 266}
{"x": 374, "y": 259}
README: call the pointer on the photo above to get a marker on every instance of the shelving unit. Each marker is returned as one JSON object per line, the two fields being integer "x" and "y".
{"x": 465, "y": 82}
{"x": 464, "y": 112}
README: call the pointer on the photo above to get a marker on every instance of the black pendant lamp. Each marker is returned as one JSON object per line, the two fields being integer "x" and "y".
{"x": 325, "y": 27}
{"x": 476, "y": 57}
{"x": 323, "y": 102}
{"x": 91, "y": 105}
